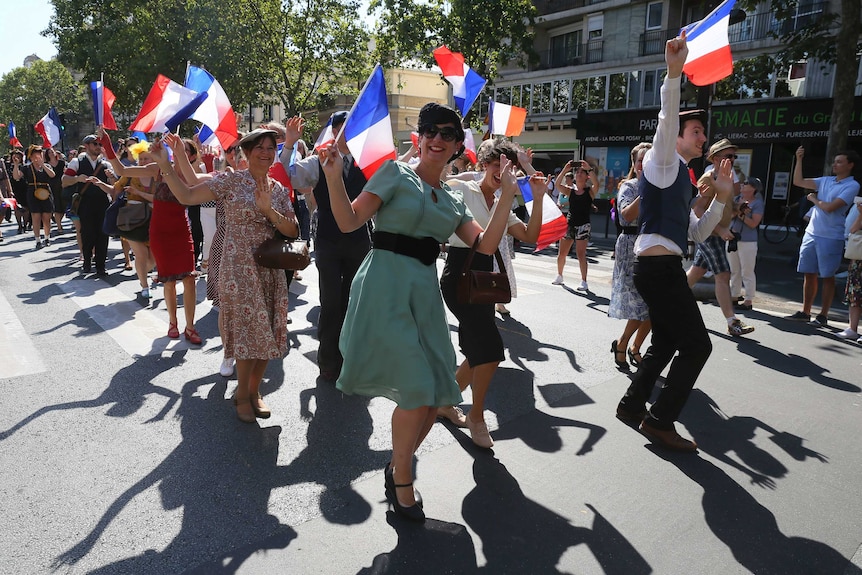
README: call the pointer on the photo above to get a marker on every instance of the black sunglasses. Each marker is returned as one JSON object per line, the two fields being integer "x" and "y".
{"x": 448, "y": 134}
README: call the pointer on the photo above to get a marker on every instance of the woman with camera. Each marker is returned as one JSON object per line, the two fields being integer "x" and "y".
{"x": 748, "y": 212}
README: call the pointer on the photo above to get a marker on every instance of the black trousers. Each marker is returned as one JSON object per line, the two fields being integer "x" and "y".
{"x": 92, "y": 214}
{"x": 337, "y": 263}
{"x": 677, "y": 328}
{"x": 194, "y": 213}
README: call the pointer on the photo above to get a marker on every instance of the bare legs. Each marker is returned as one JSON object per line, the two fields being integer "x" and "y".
{"x": 479, "y": 379}
{"x": 409, "y": 428}
{"x": 809, "y": 292}
{"x": 249, "y": 374}
{"x": 581, "y": 252}
{"x": 41, "y": 220}
{"x": 143, "y": 261}
{"x": 565, "y": 247}
{"x": 189, "y": 301}
{"x": 634, "y": 325}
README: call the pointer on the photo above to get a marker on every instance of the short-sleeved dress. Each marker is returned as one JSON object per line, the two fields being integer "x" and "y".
{"x": 626, "y": 301}
{"x": 395, "y": 339}
{"x": 252, "y": 298}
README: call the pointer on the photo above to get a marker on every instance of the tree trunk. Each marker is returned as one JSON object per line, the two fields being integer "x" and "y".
{"x": 846, "y": 68}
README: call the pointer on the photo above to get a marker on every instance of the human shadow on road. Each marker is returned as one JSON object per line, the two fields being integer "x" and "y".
{"x": 721, "y": 435}
{"x": 749, "y": 529}
{"x": 434, "y": 547}
{"x": 220, "y": 478}
{"x": 792, "y": 365}
{"x": 518, "y": 340}
{"x": 124, "y": 395}
{"x": 522, "y": 536}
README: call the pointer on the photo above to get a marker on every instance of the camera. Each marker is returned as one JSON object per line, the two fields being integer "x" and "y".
{"x": 733, "y": 245}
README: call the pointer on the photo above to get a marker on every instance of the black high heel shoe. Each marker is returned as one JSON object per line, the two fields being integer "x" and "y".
{"x": 635, "y": 357}
{"x": 620, "y": 364}
{"x": 389, "y": 485}
{"x": 412, "y": 513}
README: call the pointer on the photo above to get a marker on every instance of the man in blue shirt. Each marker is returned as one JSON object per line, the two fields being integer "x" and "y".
{"x": 823, "y": 242}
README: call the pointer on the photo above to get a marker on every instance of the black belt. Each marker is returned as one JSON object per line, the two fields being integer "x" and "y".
{"x": 630, "y": 230}
{"x": 425, "y": 250}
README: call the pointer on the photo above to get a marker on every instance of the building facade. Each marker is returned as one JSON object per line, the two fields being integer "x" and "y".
{"x": 595, "y": 92}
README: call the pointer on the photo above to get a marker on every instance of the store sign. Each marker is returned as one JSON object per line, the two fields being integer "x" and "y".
{"x": 782, "y": 121}
{"x": 769, "y": 122}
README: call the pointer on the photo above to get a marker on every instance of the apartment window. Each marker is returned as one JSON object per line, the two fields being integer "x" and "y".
{"x": 649, "y": 88}
{"x": 516, "y": 96}
{"x": 526, "y": 96}
{"x": 566, "y": 49}
{"x": 503, "y": 95}
{"x": 596, "y": 93}
{"x": 654, "y": 15}
{"x": 580, "y": 88}
{"x": 634, "y": 95}
{"x": 595, "y": 25}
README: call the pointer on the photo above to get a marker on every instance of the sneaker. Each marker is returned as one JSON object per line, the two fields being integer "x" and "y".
{"x": 738, "y": 328}
{"x": 821, "y": 320}
{"x": 47, "y": 242}
{"x": 583, "y": 287}
{"x": 38, "y": 245}
{"x": 848, "y": 334}
{"x": 145, "y": 293}
{"x": 454, "y": 414}
{"x": 558, "y": 281}
{"x": 742, "y": 306}
{"x": 226, "y": 368}
{"x": 799, "y": 316}
{"x": 859, "y": 341}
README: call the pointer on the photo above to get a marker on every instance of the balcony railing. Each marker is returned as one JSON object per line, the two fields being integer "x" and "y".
{"x": 544, "y": 7}
{"x": 592, "y": 51}
{"x": 754, "y": 27}
{"x": 653, "y": 41}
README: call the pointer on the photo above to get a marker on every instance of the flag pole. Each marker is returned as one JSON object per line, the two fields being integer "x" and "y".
{"x": 353, "y": 107}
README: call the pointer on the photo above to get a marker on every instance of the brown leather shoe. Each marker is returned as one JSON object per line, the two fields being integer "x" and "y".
{"x": 629, "y": 417}
{"x": 669, "y": 439}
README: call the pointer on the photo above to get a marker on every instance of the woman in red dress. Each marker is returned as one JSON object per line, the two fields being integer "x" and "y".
{"x": 171, "y": 245}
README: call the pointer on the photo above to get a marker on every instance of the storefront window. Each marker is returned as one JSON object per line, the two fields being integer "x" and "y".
{"x": 542, "y": 98}
{"x": 617, "y": 91}
{"x": 579, "y": 93}
{"x": 596, "y": 93}
{"x": 561, "y": 97}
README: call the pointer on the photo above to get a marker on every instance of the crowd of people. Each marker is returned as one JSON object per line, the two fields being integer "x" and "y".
{"x": 377, "y": 241}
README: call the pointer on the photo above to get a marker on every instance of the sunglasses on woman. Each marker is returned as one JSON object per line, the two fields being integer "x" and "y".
{"x": 448, "y": 134}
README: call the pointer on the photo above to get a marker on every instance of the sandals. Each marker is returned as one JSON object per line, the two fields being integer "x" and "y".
{"x": 621, "y": 363}
{"x": 635, "y": 357}
{"x": 192, "y": 335}
{"x": 173, "y": 331}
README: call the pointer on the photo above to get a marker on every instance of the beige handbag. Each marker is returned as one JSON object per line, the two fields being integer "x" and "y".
{"x": 854, "y": 246}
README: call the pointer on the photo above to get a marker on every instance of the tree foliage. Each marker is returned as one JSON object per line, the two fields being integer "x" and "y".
{"x": 26, "y": 94}
{"x": 261, "y": 51}
{"x": 488, "y": 33}
{"x": 752, "y": 78}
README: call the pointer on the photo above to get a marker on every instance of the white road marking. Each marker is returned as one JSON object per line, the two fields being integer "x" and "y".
{"x": 20, "y": 356}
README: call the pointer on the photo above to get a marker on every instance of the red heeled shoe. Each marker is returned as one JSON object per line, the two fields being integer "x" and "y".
{"x": 173, "y": 332}
{"x": 192, "y": 335}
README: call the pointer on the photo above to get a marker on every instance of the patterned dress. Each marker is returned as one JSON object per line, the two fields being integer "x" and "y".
{"x": 626, "y": 302}
{"x": 252, "y": 298}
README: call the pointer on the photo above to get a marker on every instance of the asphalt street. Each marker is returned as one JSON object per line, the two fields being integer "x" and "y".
{"x": 120, "y": 451}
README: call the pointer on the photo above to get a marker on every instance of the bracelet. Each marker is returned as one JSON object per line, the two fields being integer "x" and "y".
{"x": 166, "y": 173}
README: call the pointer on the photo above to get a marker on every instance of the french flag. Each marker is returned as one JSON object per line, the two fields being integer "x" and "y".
{"x": 470, "y": 146}
{"x": 49, "y": 127}
{"x": 506, "y": 120}
{"x": 368, "y": 130}
{"x": 553, "y": 221}
{"x": 466, "y": 84}
{"x": 103, "y": 101}
{"x": 326, "y": 137}
{"x": 13, "y": 136}
{"x": 215, "y": 112}
{"x": 167, "y": 105}
{"x": 709, "y": 58}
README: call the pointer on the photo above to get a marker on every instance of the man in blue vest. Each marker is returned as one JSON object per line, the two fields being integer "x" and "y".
{"x": 667, "y": 223}
{"x": 337, "y": 255}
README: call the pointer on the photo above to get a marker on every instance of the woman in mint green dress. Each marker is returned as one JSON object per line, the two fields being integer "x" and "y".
{"x": 395, "y": 340}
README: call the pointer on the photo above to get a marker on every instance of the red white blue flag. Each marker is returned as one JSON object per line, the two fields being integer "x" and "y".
{"x": 216, "y": 112}
{"x": 326, "y": 137}
{"x": 470, "y": 146}
{"x": 13, "y": 136}
{"x": 49, "y": 127}
{"x": 368, "y": 129}
{"x": 506, "y": 120}
{"x": 553, "y": 221}
{"x": 167, "y": 105}
{"x": 103, "y": 101}
{"x": 709, "y": 59}
{"x": 466, "y": 83}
